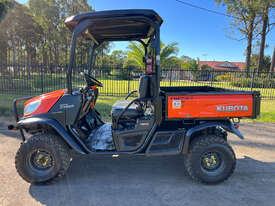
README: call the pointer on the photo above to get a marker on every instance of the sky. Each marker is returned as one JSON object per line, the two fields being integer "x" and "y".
{"x": 200, "y": 34}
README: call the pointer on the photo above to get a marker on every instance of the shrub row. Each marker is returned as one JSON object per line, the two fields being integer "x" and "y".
{"x": 257, "y": 83}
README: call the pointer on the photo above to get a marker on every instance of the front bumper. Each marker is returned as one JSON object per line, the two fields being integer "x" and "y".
{"x": 16, "y": 115}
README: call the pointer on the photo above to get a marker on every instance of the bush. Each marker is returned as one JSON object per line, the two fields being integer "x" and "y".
{"x": 121, "y": 74}
{"x": 257, "y": 83}
{"x": 223, "y": 78}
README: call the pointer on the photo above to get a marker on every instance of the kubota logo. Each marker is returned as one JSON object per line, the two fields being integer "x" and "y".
{"x": 232, "y": 108}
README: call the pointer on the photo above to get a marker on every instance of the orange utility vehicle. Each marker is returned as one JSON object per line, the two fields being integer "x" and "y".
{"x": 189, "y": 121}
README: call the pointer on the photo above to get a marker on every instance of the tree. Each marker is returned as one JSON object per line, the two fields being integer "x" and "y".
{"x": 135, "y": 55}
{"x": 101, "y": 53}
{"x": 5, "y": 5}
{"x": 167, "y": 55}
{"x": 56, "y": 38}
{"x": 206, "y": 67}
{"x": 39, "y": 31}
{"x": 20, "y": 33}
{"x": 191, "y": 65}
{"x": 272, "y": 65}
{"x": 255, "y": 60}
{"x": 115, "y": 59}
{"x": 185, "y": 58}
{"x": 265, "y": 9}
{"x": 246, "y": 21}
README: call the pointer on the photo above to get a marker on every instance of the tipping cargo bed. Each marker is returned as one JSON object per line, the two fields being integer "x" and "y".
{"x": 209, "y": 103}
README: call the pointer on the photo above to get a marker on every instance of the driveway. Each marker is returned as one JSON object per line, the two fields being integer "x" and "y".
{"x": 137, "y": 180}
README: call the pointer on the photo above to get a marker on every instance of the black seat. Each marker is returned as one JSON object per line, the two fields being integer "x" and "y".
{"x": 135, "y": 110}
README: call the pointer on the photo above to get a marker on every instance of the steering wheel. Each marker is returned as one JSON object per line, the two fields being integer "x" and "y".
{"x": 91, "y": 81}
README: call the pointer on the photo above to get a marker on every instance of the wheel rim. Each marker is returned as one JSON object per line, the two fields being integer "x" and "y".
{"x": 212, "y": 162}
{"x": 41, "y": 160}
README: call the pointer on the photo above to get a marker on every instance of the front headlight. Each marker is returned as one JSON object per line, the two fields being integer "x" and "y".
{"x": 31, "y": 107}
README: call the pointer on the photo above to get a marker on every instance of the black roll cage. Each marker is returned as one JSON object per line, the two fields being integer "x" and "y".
{"x": 84, "y": 24}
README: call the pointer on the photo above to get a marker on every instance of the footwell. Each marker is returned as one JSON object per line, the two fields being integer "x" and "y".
{"x": 101, "y": 138}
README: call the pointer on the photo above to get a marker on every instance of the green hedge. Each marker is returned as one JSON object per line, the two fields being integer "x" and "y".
{"x": 257, "y": 83}
{"x": 223, "y": 78}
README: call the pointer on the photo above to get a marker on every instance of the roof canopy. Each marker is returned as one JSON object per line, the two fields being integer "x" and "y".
{"x": 117, "y": 25}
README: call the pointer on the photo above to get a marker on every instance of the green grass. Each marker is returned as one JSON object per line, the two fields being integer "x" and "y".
{"x": 104, "y": 106}
{"x": 267, "y": 112}
{"x": 6, "y": 104}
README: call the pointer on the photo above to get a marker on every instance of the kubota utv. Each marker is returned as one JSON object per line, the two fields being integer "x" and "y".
{"x": 189, "y": 121}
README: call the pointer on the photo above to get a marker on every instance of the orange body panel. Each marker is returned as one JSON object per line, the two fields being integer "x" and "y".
{"x": 47, "y": 101}
{"x": 209, "y": 106}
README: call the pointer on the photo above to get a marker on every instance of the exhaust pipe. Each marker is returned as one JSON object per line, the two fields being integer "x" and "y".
{"x": 12, "y": 127}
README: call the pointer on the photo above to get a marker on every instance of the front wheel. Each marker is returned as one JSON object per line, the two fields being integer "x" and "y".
{"x": 43, "y": 158}
{"x": 210, "y": 160}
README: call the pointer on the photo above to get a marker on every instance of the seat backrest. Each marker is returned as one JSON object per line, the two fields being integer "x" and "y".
{"x": 145, "y": 90}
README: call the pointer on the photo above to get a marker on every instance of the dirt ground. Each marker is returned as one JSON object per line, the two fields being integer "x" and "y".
{"x": 137, "y": 180}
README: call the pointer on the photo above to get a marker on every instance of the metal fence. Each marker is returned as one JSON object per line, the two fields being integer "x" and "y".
{"x": 18, "y": 79}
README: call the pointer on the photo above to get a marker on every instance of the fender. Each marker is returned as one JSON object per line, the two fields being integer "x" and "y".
{"x": 25, "y": 123}
{"x": 227, "y": 125}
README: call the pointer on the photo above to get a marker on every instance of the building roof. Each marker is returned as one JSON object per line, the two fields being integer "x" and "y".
{"x": 223, "y": 65}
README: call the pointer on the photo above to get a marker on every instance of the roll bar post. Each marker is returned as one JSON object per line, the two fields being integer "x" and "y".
{"x": 92, "y": 58}
{"x": 77, "y": 31}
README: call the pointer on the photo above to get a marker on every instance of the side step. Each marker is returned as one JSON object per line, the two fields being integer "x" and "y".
{"x": 166, "y": 143}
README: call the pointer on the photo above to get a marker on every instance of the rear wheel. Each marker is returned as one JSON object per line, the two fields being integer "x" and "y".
{"x": 43, "y": 158}
{"x": 210, "y": 159}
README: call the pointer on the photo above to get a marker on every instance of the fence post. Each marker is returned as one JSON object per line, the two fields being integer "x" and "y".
{"x": 129, "y": 78}
{"x": 41, "y": 76}
{"x": 212, "y": 78}
{"x": 170, "y": 76}
{"x": 252, "y": 80}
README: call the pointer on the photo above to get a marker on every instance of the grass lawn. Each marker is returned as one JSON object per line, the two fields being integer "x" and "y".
{"x": 267, "y": 112}
{"x": 104, "y": 105}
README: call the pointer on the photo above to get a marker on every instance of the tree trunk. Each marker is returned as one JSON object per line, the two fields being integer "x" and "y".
{"x": 28, "y": 66}
{"x": 249, "y": 46}
{"x": 3, "y": 57}
{"x": 263, "y": 36}
{"x": 3, "y": 52}
{"x": 272, "y": 62}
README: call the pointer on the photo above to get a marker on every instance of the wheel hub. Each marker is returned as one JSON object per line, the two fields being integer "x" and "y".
{"x": 41, "y": 160}
{"x": 210, "y": 161}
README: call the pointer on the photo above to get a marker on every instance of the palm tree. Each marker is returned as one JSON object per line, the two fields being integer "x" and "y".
{"x": 167, "y": 55}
